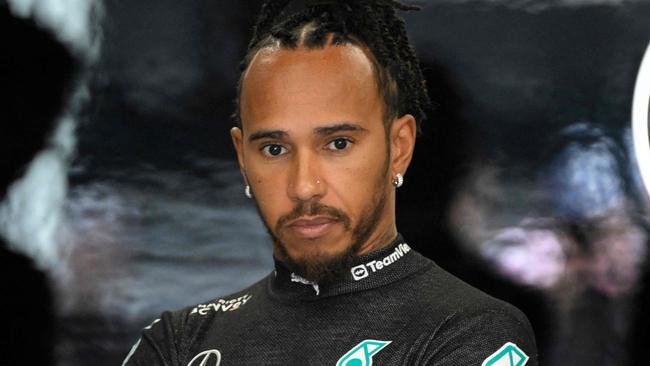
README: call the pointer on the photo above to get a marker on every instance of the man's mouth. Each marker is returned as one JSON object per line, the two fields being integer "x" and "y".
{"x": 311, "y": 227}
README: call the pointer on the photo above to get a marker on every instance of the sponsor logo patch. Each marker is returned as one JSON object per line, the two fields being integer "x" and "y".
{"x": 363, "y": 270}
{"x": 211, "y": 357}
{"x": 508, "y": 355}
{"x": 361, "y": 354}
{"x": 359, "y": 272}
{"x": 221, "y": 305}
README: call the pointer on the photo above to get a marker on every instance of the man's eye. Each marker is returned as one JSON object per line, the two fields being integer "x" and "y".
{"x": 273, "y": 150}
{"x": 339, "y": 144}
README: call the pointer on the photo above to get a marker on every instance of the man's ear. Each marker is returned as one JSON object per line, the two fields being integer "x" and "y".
{"x": 402, "y": 141}
{"x": 238, "y": 141}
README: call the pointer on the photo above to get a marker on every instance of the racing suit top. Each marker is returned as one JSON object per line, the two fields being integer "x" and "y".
{"x": 395, "y": 307}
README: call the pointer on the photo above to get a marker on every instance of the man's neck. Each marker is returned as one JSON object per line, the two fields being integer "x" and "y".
{"x": 385, "y": 265}
{"x": 378, "y": 240}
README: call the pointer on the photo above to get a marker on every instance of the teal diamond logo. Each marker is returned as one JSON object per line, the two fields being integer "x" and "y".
{"x": 361, "y": 354}
{"x": 508, "y": 355}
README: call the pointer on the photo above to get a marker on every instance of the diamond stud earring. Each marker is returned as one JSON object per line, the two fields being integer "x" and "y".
{"x": 398, "y": 180}
{"x": 247, "y": 191}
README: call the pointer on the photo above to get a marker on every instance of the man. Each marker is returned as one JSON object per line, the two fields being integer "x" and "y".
{"x": 328, "y": 104}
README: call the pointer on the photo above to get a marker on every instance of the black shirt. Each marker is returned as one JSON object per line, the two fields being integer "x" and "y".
{"x": 395, "y": 307}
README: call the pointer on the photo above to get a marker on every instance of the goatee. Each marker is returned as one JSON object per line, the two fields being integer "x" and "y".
{"x": 322, "y": 268}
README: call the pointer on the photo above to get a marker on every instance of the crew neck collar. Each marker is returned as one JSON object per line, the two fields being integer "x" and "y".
{"x": 375, "y": 269}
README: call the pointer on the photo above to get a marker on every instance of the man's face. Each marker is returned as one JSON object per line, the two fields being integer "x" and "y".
{"x": 315, "y": 152}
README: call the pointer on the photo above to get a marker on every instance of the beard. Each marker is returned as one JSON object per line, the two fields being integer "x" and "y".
{"x": 320, "y": 267}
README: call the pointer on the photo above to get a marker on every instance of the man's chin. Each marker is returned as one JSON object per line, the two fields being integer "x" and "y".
{"x": 323, "y": 248}
{"x": 317, "y": 265}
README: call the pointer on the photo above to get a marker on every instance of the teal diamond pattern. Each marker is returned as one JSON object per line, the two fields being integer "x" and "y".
{"x": 508, "y": 355}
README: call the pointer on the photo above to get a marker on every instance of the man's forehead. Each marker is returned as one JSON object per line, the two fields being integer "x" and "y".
{"x": 345, "y": 65}
{"x": 324, "y": 85}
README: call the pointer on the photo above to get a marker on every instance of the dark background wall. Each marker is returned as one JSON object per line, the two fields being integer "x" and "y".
{"x": 523, "y": 183}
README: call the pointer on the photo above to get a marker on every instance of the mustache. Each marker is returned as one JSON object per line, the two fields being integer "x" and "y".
{"x": 312, "y": 208}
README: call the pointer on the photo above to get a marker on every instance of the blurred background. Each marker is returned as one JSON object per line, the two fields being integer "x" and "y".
{"x": 524, "y": 182}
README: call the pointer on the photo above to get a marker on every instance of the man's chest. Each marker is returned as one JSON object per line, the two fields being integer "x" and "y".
{"x": 336, "y": 335}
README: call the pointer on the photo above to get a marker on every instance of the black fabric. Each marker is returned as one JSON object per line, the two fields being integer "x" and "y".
{"x": 428, "y": 316}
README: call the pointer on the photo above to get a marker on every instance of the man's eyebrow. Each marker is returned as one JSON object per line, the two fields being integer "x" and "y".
{"x": 276, "y": 134}
{"x": 343, "y": 126}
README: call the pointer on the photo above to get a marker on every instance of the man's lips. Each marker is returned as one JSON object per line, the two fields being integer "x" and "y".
{"x": 312, "y": 227}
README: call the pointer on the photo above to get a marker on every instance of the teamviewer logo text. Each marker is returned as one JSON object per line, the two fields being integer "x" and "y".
{"x": 363, "y": 270}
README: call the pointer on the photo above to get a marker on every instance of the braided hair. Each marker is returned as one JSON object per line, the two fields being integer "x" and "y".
{"x": 370, "y": 24}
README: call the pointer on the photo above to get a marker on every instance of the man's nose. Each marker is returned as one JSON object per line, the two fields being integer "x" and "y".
{"x": 305, "y": 181}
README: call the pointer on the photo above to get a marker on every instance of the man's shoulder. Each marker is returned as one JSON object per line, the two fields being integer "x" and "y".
{"x": 227, "y": 303}
{"x": 441, "y": 291}
{"x": 166, "y": 339}
{"x": 215, "y": 307}
{"x": 450, "y": 311}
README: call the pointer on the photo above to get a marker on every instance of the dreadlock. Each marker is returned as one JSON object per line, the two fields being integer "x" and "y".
{"x": 371, "y": 24}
